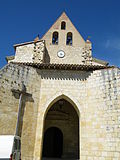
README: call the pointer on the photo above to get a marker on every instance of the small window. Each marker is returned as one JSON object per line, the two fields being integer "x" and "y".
{"x": 55, "y": 38}
{"x": 63, "y": 25}
{"x": 69, "y": 39}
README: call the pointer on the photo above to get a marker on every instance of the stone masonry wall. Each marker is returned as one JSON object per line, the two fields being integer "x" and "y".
{"x": 95, "y": 95}
{"x": 102, "y": 119}
{"x": 11, "y": 77}
{"x": 32, "y": 52}
{"x": 98, "y": 96}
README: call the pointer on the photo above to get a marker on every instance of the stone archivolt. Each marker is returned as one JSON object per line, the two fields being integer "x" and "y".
{"x": 57, "y": 115}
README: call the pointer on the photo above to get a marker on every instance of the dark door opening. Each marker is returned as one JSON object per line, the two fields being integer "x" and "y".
{"x": 53, "y": 143}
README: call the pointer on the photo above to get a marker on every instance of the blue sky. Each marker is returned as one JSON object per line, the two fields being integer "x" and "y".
{"x": 23, "y": 20}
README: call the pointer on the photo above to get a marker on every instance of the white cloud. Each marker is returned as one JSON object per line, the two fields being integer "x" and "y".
{"x": 107, "y": 44}
{"x": 112, "y": 44}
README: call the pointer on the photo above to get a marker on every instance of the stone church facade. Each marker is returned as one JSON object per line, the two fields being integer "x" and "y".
{"x": 71, "y": 104}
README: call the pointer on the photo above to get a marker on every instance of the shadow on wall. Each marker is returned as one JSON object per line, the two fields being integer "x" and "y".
{"x": 64, "y": 74}
{"x": 47, "y": 57}
{"x": 26, "y": 97}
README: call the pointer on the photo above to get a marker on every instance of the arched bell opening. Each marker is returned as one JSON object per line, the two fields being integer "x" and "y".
{"x": 69, "y": 39}
{"x": 63, "y": 25}
{"x": 55, "y": 37}
{"x": 61, "y": 131}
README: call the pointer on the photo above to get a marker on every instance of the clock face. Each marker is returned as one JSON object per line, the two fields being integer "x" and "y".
{"x": 61, "y": 54}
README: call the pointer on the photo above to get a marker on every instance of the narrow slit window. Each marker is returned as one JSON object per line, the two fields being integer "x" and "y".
{"x": 55, "y": 38}
{"x": 63, "y": 25}
{"x": 69, "y": 39}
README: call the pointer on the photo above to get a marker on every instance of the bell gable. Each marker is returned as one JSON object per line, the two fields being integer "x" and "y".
{"x": 63, "y": 42}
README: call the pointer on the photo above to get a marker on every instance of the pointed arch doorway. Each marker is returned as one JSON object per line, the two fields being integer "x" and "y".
{"x": 61, "y": 131}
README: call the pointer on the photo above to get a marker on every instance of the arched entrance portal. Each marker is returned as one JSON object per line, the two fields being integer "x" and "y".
{"x": 61, "y": 131}
{"x": 53, "y": 143}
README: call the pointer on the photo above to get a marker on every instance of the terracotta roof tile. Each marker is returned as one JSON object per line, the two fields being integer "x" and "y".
{"x": 63, "y": 66}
